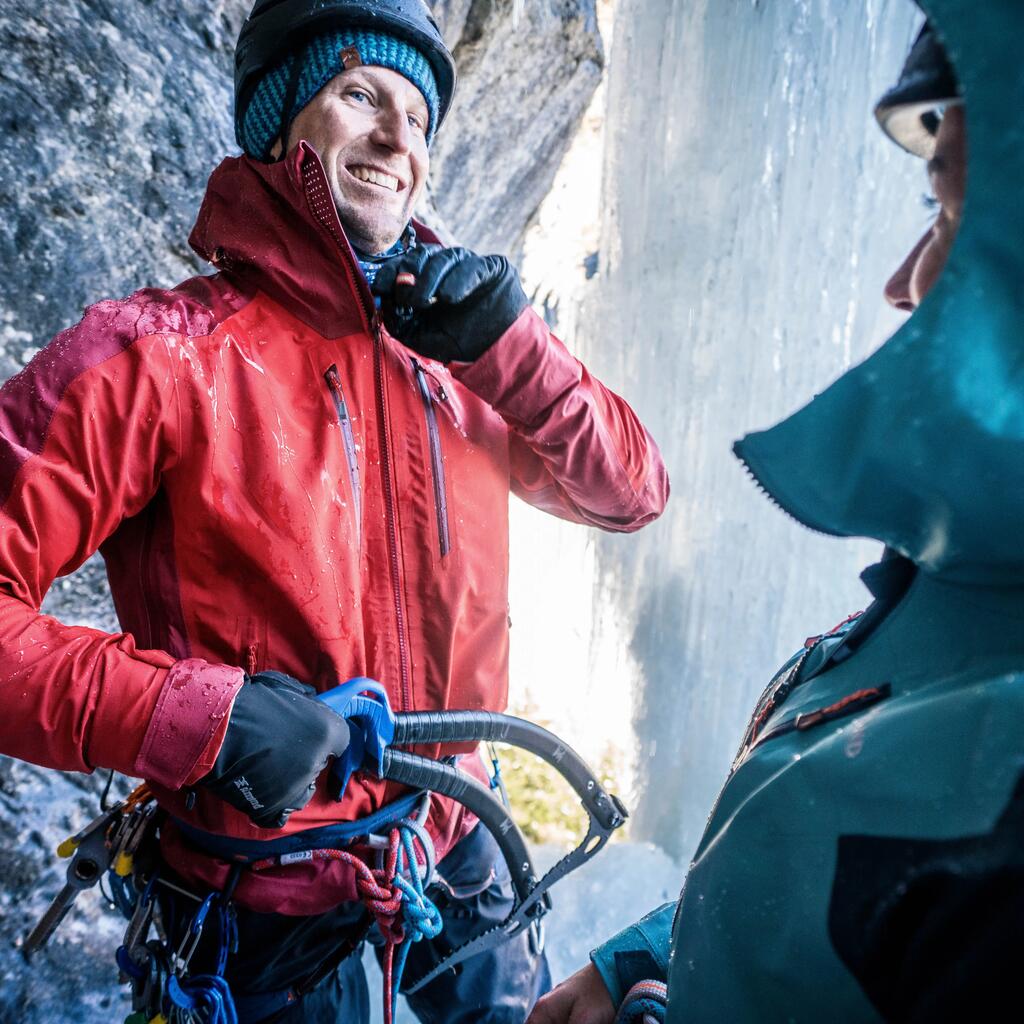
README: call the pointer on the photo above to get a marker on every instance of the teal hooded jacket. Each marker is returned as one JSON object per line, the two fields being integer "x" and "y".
{"x": 865, "y": 858}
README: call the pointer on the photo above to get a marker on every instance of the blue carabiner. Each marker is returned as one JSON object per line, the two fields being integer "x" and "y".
{"x": 194, "y": 933}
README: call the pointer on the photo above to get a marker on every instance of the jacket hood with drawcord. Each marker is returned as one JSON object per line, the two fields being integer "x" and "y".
{"x": 922, "y": 445}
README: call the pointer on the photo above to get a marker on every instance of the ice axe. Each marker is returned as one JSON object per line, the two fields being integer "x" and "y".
{"x": 382, "y": 731}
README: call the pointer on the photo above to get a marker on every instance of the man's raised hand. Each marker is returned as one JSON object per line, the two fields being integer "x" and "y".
{"x": 449, "y": 304}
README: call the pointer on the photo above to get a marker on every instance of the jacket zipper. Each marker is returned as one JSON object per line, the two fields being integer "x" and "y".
{"x": 436, "y": 461}
{"x": 389, "y": 502}
{"x": 313, "y": 178}
{"x": 439, "y": 394}
{"x": 334, "y": 385}
{"x": 775, "y": 694}
{"x": 784, "y": 682}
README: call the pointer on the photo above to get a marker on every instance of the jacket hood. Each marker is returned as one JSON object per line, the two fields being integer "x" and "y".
{"x": 274, "y": 228}
{"x": 921, "y": 446}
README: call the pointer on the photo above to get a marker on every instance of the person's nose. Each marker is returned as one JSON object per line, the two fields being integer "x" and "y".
{"x": 897, "y": 288}
{"x": 392, "y": 130}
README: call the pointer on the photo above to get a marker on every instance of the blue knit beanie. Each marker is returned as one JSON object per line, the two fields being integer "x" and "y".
{"x": 322, "y": 59}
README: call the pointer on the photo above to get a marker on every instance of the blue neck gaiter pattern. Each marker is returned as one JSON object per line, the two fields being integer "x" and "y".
{"x": 371, "y": 264}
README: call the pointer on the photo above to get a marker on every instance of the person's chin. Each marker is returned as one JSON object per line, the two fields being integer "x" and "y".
{"x": 364, "y": 222}
{"x": 371, "y": 234}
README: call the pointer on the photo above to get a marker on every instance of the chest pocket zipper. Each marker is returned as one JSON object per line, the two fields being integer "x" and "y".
{"x": 349, "y": 442}
{"x": 436, "y": 460}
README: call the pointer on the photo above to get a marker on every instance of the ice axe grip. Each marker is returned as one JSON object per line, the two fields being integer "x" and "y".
{"x": 481, "y": 726}
{"x": 363, "y": 702}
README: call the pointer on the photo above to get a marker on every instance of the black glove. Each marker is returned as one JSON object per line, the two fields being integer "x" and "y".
{"x": 449, "y": 303}
{"x": 279, "y": 738}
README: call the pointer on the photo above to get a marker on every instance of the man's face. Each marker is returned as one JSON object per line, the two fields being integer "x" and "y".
{"x": 947, "y": 172}
{"x": 368, "y": 126}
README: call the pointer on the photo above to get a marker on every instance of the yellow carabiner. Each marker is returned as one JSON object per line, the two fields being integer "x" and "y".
{"x": 67, "y": 848}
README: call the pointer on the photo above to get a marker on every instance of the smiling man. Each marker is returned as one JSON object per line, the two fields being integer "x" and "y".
{"x": 369, "y": 127}
{"x": 294, "y": 482}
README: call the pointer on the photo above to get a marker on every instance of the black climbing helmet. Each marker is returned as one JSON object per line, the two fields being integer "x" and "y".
{"x": 911, "y": 111}
{"x": 277, "y": 28}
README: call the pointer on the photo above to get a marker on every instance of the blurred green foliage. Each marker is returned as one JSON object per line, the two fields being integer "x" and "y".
{"x": 543, "y": 804}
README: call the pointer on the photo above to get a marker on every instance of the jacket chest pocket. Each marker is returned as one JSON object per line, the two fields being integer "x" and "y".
{"x": 333, "y": 379}
{"x": 428, "y": 399}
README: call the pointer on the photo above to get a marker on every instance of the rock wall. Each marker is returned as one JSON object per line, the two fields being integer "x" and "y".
{"x": 525, "y": 77}
{"x": 112, "y": 115}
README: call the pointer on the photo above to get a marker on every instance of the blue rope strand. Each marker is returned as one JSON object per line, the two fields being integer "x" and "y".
{"x": 420, "y": 917}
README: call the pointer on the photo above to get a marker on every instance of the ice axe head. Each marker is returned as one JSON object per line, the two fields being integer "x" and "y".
{"x": 364, "y": 704}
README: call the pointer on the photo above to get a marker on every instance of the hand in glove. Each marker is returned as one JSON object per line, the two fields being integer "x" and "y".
{"x": 279, "y": 738}
{"x": 449, "y": 303}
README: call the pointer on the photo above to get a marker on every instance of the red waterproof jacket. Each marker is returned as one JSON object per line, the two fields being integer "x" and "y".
{"x": 274, "y": 482}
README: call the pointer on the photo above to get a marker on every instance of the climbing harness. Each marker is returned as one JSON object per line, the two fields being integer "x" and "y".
{"x": 122, "y": 845}
{"x": 393, "y": 891}
{"x": 645, "y": 1003}
{"x": 394, "y": 894}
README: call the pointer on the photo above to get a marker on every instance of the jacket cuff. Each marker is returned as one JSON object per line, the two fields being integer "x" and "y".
{"x": 638, "y": 953}
{"x": 188, "y": 724}
{"x": 523, "y": 371}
